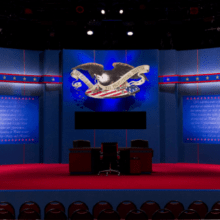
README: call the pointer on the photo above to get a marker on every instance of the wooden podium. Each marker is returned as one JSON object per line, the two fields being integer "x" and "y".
{"x": 87, "y": 161}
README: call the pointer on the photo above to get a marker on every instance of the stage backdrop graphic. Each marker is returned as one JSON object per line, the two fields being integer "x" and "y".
{"x": 134, "y": 72}
{"x": 201, "y": 121}
{"x": 19, "y": 120}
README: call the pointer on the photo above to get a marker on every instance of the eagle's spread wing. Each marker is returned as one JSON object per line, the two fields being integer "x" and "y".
{"x": 121, "y": 68}
{"x": 92, "y": 68}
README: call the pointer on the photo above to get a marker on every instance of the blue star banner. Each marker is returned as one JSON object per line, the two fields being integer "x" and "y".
{"x": 195, "y": 78}
{"x": 36, "y": 79}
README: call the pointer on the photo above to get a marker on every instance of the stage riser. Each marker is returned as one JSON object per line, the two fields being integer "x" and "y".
{"x": 90, "y": 197}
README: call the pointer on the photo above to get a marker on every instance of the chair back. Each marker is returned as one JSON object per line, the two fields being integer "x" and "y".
{"x": 109, "y": 214}
{"x": 5, "y": 214}
{"x": 29, "y": 214}
{"x": 109, "y": 151}
{"x": 139, "y": 143}
{"x": 81, "y": 214}
{"x": 213, "y": 214}
{"x": 200, "y": 207}
{"x": 100, "y": 206}
{"x": 30, "y": 205}
{"x": 136, "y": 215}
{"x": 189, "y": 214}
{"x": 150, "y": 207}
{"x": 163, "y": 214}
{"x": 7, "y": 206}
{"x": 175, "y": 207}
{"x": 54, "y": 205}
{"x": 81, "y": 143}
{"x": 55, "y": 214}
{"x": 216, "y": 205}
{"x": 78, "y": 205}
{"x": 125, "y": 207}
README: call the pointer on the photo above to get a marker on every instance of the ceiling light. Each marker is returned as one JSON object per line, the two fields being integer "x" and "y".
{"x": 89, "y": 32}
{"x": 129, "y": 33}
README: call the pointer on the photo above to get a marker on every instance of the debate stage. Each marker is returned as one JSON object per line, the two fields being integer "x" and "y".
{"x": 46, "y": 182}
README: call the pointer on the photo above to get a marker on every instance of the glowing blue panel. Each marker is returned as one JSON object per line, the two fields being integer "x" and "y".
{"x": 19, "y": 120}
{"x": 201, "y": 121}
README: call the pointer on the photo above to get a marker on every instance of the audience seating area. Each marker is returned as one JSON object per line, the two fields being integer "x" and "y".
{"x": 104, "y": 210}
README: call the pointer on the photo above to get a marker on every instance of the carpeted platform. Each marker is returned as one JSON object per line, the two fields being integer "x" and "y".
{"x": 56, "y": 177}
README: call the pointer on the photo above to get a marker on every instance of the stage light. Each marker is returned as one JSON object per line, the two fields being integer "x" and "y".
{"x": 79, "y": 9}
{"x": 89, "y": 32}
{"x": 194, "y": 10}
{"x": 103, "y": 11}
{"x": 121, "y": 11}
{"x": 129, "y": 33}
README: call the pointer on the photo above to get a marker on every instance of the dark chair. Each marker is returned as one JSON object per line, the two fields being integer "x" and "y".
{"x": 109, "y": 154}
{"x": 189, "y": 214}
{"x": 200, "y": 207}
{"x": 81, "y": 214}
{"x": 54, "y": 205}
{"x": 150, "y": 207}
{"x": 81, "y": 143}
{"x": 139, "y": 143}
{"x": 216, "y": 205}
{"x": 78, "y": 205}
{"x": 5, "y": 214}
{"x": 136, "y": 215}
{"x": 30, "y": 205}
{"x": 213, "y": 214}
{"x": 55, "y": 214}
{"x": 109, "y": 214}
{"x": 125, "y": 207}
{"x": 29, "y": 214}
{"x": 175, "y": 207}
{"x": 99, "y": 206}
{"x": 7, "y": 206}
{"x": 163, "y": 214}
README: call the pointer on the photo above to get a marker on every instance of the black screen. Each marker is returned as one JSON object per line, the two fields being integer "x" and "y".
{"x": 110, "y": 120}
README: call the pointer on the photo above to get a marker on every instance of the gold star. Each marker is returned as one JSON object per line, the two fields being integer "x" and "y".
{"x": 4, "y": 77}
{"x": 217, "y": 77}
{"x": 14, "y": 78}
{"x": 187, "y": 79}
{"x": 35, "y": 79}
{"x": 24, "y": 78}
{"x": 53, "y": 79}
{"x": 207, "y": 77}
{"x": 197, "y": 78}
{"x": 168, "y": 79}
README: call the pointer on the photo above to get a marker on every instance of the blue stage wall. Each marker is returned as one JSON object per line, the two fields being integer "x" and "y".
{"x": 163, "y": 105}
{"x": 145, "y": 100}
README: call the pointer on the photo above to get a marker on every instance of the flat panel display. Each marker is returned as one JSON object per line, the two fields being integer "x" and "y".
{"x": 110, "y": 120}
{"x": 201, "y": 119}
{"x": 19, "y": 120}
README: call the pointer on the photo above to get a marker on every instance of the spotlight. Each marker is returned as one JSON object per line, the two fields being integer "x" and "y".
{"x": 121, "y": 11}
{"x": 89, "y": 32}
{"x": 79, "y": 9}
{"x": 103, "y": 11}
{"x": 129, "y": 33}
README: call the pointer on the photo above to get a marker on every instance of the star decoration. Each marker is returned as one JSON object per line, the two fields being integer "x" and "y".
{"x": 168, "y": 79}
{"x": 14, "y": 78}
{"x": 35, "y": 79}
{"x": 217, "y": 77}
{"x": 4, "y": 77}
{"x": 24, "y": 78}
{"x": 187, "y": 79}
{"x": 53, "y": 79}
{"x": 207, "y": 77}
{"x": 197, "y": 78}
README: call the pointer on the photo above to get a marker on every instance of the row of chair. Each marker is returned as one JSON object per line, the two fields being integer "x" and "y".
{"x": 125, "y": 210}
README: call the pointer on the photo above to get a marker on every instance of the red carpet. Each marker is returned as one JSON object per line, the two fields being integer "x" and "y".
{"x": 56, "y": 176}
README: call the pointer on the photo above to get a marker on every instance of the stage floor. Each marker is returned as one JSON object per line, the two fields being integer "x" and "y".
{"x": 56, "y": 177}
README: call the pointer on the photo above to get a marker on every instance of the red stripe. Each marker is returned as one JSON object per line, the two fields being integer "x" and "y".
{"x": 96, "y": 93}
{"x": 190, "y": 82}
{"x": 11, "y": 74}
{"x": 119, "y": 94}
{"x": 30, "y": 82}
